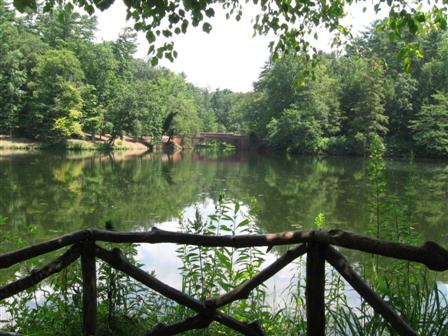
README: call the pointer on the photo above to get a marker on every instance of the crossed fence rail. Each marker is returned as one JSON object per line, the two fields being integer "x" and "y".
{"x": 317, "y": 244}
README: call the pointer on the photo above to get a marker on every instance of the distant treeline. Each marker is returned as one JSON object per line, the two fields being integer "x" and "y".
{"x": 56, "y": 82}
{"x": 347, "y": 99}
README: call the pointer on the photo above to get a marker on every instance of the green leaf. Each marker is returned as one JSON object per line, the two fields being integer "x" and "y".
{"x": 24, "y": 5}
{"x": 207, "y": 27}
{"x": 150, "y": 37}
{"x": 412, "y": 26}
{"x": 243, "y": 222}
{"x": 184, "y": 26}
{"x": 103, "y": 4}
{"x": 210, "y": 12}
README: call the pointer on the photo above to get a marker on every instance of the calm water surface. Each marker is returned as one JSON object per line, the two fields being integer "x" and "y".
{"x": 57, "y": 194}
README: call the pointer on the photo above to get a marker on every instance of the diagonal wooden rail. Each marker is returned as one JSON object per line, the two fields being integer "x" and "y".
{"x": 317, "y": 244}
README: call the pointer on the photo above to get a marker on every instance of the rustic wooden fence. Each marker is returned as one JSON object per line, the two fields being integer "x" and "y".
{"x": 317, "y": 244}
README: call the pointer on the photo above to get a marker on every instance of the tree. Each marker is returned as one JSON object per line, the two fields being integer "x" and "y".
{"x": 310, "y": 108}
{"x": 434, "y": 73}
{"x": 221, "y": 101}
{"x": 64, "y": 27}
{"x": 297, "y": 130}
{"x": 362, "y": 102}
{"x": 124, "y": 49}
{"x": 203, "y": 103}
{"x": 12, "y": 78}
{"x": 100, "y": 68}
{"x": 430, "y": 127}
{"x": 56, "y": 106}
{"x": 400, "y": 104}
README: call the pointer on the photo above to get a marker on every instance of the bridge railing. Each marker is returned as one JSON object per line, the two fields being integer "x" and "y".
{"x": 319, "y": 246}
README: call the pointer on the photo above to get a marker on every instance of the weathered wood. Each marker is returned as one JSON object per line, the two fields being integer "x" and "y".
{"x": 190, "y": 323}
{"x": 89, "y": 295}
{"x": 431, "y": 254}
{"x": 38, "y": 275}
{"x": 161, "y": 236}
{"x": 315, "y": 290}
{"x": 116, "y": 259}
{"x": 243, "y": 290}
{"x": 340, "y": 263}
{"x": 12, "y": 258}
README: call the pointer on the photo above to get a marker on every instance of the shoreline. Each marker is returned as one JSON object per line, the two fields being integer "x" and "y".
{"x": 98, "y": 145}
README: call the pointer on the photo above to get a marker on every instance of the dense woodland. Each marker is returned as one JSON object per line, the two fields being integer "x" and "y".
{"x": 57, "y": 82}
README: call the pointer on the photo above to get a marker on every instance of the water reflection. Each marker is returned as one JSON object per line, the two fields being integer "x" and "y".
{"x": 58, "y": 193}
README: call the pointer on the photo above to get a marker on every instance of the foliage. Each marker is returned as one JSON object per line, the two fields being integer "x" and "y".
{"x": 56, "y": 102}
{"x": 351, "y": 99}
{"x": 67, "y": 85}
{"x": 292, "y": 24}
{"x": 12, "y": 78}
{"x": 430, "y": 126}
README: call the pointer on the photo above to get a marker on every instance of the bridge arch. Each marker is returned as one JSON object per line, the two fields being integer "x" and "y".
{"x": 241, "y": 142}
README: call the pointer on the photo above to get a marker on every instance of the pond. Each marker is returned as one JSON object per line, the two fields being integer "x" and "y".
{"x": 44, "y": 195}
{"x": 58, "y": 193}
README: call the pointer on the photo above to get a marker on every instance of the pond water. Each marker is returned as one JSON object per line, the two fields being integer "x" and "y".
{"x": 44, "y": 195}
{"x": 55, "y": 194}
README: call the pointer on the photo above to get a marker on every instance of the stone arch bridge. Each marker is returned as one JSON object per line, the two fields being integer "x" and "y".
{"x": 241, "y": 142}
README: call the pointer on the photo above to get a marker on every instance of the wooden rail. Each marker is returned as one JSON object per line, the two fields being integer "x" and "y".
{"x": 317, "y": 244}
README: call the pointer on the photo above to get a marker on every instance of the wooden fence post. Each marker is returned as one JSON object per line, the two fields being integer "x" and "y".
{"x": 89, "y": 299}
{"x": 315, "y": 290}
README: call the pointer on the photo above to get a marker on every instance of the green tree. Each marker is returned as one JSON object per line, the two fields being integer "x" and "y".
{"x": 64, "y": 27}
{"x": 430, "y": 126}
{"x": 124, "y": 48}
{"x": 362, "y": 102}
{"x": 298, "y": 116}
{"x": 100, "y": 68}
{"x": 56, "y": 106}
{"x": 400, "y": 104}
{"x": 298, "y": 130}
{"x": 222, "y": 101}
{"x": 434, "y": 73}
{"x": 12, "y": 78}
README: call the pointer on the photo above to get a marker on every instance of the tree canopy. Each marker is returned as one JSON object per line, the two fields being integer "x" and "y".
{"x": 291, "y": 22}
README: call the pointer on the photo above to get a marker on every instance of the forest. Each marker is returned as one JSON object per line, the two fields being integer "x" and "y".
{"x": 57, "y": 82}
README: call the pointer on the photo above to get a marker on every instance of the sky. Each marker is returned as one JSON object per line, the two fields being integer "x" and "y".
{"x": 229, "y": 57}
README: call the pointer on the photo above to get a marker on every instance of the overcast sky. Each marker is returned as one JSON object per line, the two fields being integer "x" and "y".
{"x": 228, "y": 57}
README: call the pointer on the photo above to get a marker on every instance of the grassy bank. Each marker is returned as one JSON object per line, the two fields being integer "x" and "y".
{"x": 98, "y": 144}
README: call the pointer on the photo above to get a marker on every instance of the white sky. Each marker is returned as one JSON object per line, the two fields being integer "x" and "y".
{"x": 228, "y": 57}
